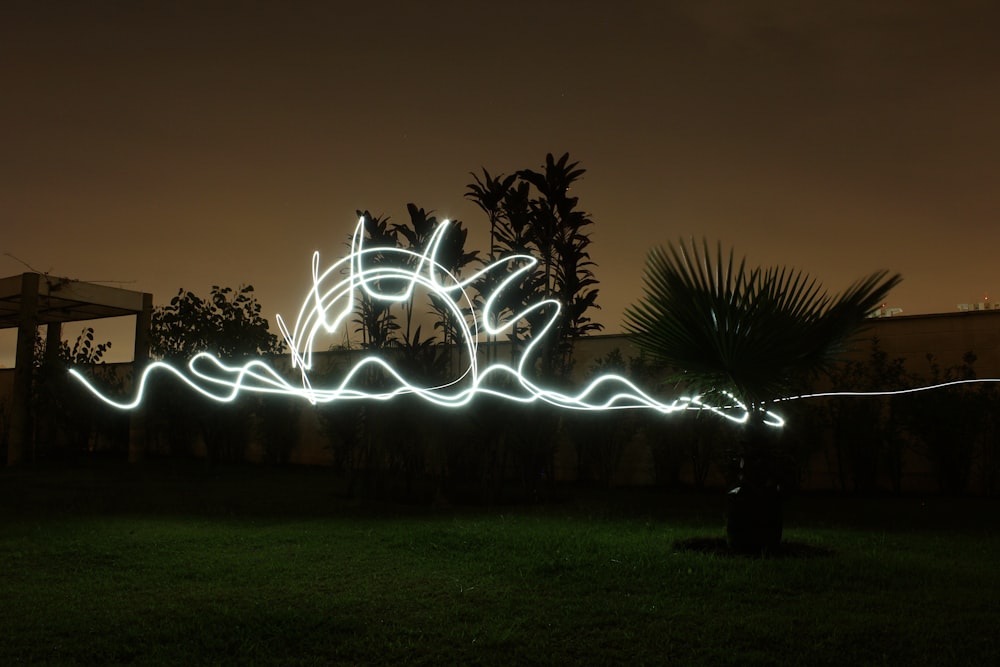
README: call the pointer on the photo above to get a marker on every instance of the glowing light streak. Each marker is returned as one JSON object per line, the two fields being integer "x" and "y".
{"x": 888, "y": 392}
{"x": 393, "y": 275}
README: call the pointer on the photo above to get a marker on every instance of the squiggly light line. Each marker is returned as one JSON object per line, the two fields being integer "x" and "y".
{"x": 332, "y": 299}
{"x": 334, "y": 290}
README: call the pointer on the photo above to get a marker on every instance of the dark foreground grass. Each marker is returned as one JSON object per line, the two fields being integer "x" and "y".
{"x": 181, "y": 566}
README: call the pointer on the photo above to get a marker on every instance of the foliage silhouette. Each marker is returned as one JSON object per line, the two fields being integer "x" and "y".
{"x": 69, "y": 422}
{"x": 228, "y": 324}
{"x": 531, "y": 212}
{"x": 759, "y": 334}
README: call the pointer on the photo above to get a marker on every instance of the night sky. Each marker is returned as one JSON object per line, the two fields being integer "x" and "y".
{"x": 186, "y": 144}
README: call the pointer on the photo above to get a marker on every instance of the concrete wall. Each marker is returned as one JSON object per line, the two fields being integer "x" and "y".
{"x": 948, "y": 336}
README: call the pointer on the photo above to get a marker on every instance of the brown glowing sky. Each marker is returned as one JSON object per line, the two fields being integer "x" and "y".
{"x": 195, "y": 143}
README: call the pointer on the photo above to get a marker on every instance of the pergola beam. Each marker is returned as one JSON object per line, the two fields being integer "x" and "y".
{"x": 31, "y": 299}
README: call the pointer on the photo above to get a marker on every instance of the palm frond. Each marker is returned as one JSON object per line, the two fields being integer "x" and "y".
{"x": 754, "y": 332}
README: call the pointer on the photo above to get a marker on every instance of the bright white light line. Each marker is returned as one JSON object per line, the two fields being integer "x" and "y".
{"x": 331, "y": 301}
{"x": 888, "y": 392}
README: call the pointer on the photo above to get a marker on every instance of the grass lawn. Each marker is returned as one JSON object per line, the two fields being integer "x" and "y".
{"x": 180, "y": 565}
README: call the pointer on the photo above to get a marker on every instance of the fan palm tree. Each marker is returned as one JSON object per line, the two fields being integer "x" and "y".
{"x": 757, "y": 334}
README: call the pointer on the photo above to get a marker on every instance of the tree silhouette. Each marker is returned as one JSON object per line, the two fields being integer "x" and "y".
{"x": 376, "y": 322}
{"x": 229, "y": 325}
{"x": 757, "y": 333}
{"x": 532, "y": 212}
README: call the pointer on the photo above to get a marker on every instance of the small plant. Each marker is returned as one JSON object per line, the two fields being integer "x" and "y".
{"x": 68, "y": 421}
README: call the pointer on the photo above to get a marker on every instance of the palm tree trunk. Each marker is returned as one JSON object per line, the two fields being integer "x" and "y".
{"x": 755, "y": 518}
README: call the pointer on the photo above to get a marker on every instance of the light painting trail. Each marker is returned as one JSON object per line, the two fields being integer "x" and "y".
{"x": 332, "y": 301}
{"x": 889, "y": 392}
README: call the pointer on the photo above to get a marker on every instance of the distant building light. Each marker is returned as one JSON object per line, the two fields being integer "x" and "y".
{"x": 885, "y": 312}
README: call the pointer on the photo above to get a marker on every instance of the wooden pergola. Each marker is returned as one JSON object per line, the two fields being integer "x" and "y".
{"x": 33, "y": 299}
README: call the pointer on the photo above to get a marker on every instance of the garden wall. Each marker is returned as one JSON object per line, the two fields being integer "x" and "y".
{"x": 640, "y": 459}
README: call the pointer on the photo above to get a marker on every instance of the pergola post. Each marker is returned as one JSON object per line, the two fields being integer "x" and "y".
{"x": 30, "y": 300}
{"x": 27, "y": 326}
